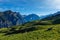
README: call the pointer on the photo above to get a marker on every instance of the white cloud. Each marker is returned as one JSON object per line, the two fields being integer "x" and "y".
{"x": 55, "y": 4}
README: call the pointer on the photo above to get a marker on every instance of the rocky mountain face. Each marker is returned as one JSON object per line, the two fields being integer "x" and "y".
{"x": 9, "y": 18}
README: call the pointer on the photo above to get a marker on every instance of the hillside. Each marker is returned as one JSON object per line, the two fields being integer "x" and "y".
{"x": 31, "y": 31}
{"x": 54, "y": 18}
{"x": 45, "y": 29}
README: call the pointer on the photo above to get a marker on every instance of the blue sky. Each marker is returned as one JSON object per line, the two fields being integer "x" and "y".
{"x": 25, "y": 7}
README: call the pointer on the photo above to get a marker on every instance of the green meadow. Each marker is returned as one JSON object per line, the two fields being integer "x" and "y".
{"x": 39, "y": 32}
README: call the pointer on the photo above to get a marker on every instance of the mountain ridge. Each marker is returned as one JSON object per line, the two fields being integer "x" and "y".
{"x": 9, "y": 18}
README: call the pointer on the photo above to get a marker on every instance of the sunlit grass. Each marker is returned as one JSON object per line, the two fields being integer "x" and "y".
{"x": 40, "y": 34}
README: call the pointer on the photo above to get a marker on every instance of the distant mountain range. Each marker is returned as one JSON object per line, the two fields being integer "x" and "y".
{"x": 31, "y": 17}
{"x": 9, "y": 18}
{"x": 55, "y": 18}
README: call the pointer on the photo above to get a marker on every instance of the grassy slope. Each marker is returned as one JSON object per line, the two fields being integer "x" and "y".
{"x": 40, "y": 34}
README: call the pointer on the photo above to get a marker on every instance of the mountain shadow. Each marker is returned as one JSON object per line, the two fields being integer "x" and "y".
{"x": 13, "y": 31}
